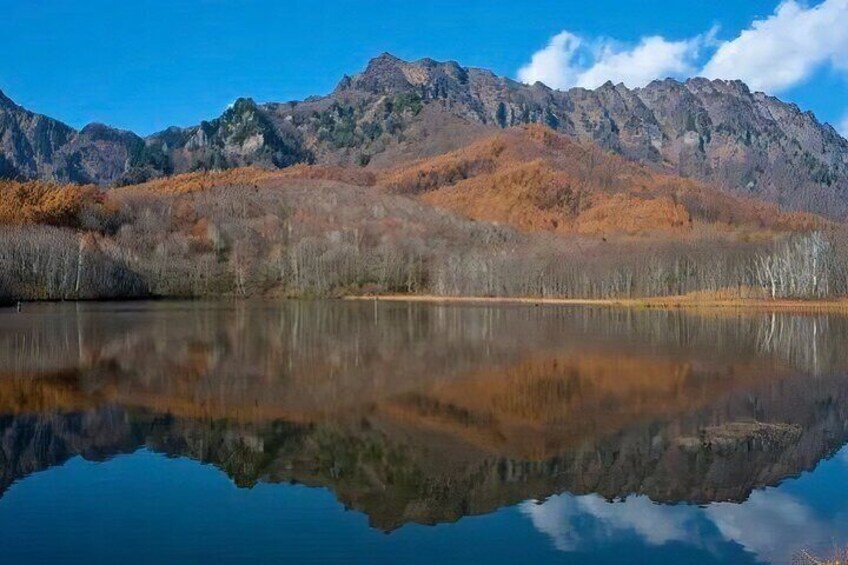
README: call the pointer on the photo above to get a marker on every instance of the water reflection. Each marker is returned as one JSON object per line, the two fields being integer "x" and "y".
{"x": 773, "y": 526}
{"x": 418, "y": 413}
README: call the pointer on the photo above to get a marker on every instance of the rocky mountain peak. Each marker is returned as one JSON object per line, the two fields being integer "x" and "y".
{"x": 242, "y": 105}
{"x": 385, "y": 73}
{"x": 344, "y": 84}
{"x": 735, "y": 88}
{"x": 388, "y": 74}
{"x": 5, "y": 101}
{"x": 102, "y": 132}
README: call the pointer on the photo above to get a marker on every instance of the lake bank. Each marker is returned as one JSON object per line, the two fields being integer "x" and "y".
{"x": 687, "y": 301}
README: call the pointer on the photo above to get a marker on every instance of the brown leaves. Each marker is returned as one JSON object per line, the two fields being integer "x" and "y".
{"x": 45, "y": 203}
{"x": 538, "y": 180}
{"x": 201, "y": 181}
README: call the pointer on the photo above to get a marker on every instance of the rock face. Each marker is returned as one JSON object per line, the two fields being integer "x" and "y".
{"x": 243, "y": 135}
{"x": 396, "y": 111}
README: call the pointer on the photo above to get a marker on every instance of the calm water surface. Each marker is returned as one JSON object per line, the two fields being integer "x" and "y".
{"x": 389, "y": 432}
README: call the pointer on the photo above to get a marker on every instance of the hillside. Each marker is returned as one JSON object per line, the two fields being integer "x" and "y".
{"x": 396, "y": 112}
{"x": 535, "y": 179}
{"x": 330, "y": 231}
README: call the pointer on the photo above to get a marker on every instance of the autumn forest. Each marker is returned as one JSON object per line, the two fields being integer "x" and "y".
{"x": 526, "y": 212}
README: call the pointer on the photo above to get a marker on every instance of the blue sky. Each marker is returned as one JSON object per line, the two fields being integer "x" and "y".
{"x": 147, "y": 65}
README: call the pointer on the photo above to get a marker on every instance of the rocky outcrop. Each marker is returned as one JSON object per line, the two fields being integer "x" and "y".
{"x": 33, "y": 146}
{"x": 243, "y": 135}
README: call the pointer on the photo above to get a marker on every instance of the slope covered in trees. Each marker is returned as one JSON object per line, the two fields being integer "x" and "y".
{"x": 536, "y": 179}
{"x": 313, "y": 231}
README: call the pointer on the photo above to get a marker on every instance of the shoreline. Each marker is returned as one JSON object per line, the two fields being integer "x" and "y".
{"x": 684, "y": 302}
{"x": 667, "y": 302}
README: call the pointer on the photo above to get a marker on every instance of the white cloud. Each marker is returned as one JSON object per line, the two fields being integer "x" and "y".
{"x": 569, "y": 60}
{"x": 771, "y": 524}
{"x": 774, "y": 526}
{"x": 561, "y": 518}
{"x": 772, "y": 54}
{"x": 557, "y": 65}
{"x": 784, "y": 49}
{"x": 653, "y": 58}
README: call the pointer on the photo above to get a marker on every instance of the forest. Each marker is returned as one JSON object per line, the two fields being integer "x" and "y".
{"x": 313, "y": 232}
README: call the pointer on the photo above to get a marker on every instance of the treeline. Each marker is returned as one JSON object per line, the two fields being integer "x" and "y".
{"x": 49, "y": 263}
{"x": 808, "y": 265}
{"x": 296, "y": 237}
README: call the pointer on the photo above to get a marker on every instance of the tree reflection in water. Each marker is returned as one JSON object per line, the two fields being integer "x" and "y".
{"x": 416, "y": 413}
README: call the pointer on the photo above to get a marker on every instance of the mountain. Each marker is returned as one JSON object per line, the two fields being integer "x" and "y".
{"x": 244, "y": 135}
{"x": 396, "y": 111}
{"x": 33, "y": 146}
{"x": 716, "y": 131}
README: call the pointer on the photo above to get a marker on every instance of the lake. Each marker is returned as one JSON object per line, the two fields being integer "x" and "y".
{"x": 328, "y": 431}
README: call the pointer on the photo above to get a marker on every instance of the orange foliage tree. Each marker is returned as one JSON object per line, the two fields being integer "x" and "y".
{"x": 51, "y": 204}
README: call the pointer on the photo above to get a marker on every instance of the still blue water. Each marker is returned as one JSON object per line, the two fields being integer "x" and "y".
{"x": 146, "y": 508}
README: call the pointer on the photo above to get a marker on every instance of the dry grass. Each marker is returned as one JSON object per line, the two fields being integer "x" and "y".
{"x": 347, "y": 175}
{"x": 693, "y": 301}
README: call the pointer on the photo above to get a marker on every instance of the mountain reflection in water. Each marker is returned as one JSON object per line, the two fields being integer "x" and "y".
{"x": 424, "y": 414}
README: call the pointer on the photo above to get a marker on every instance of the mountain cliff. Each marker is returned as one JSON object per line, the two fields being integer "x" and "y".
{"x": 715, "y": 131}
{"x": 33, "y": 146}
{"x": 397, "y": 111}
